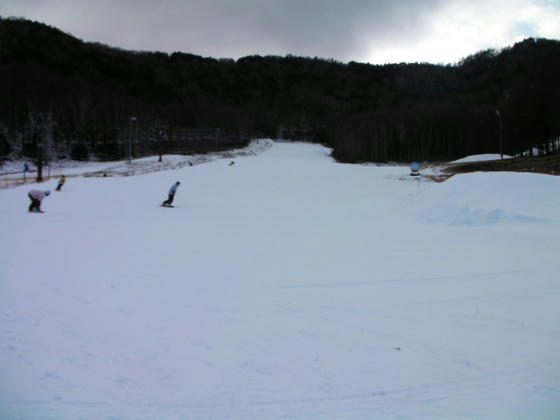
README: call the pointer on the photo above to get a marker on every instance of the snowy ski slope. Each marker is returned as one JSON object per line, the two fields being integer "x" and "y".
{"x": 284, "y": 286}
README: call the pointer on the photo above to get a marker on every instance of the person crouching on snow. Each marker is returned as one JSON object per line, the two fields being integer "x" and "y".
{"x": 172, "y": 192}
{"x": 36, "y": 197}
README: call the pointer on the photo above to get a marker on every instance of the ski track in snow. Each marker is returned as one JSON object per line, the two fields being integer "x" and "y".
{"x": 284, "y": 286}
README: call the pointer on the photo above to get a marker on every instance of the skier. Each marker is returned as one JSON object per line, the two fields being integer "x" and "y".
{"x": 61, "y": 182}
{"x": 172, "y": 192}
{"x": 36, "y": 197}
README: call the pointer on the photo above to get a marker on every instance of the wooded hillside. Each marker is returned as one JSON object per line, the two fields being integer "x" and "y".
{"x": 65, "y": 97}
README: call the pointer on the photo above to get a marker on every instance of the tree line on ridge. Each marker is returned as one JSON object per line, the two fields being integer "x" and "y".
{"x": 63, "y": 97}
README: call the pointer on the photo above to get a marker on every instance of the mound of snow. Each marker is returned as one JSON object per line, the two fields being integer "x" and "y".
{"x": 482, "y": 198}
{"x": 480, "y": 158}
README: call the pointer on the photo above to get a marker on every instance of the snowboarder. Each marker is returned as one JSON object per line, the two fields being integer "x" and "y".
{"x": 61, "y": 182}
{"x": 172, "y": 192}
{"x": 36, "y": 197}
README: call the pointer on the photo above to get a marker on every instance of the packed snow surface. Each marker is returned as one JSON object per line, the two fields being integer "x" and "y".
{"x": 283, "y": 286}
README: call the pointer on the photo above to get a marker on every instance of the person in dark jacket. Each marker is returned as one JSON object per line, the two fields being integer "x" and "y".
{"x": 172, "y": 192}
{"x": 36, "y": 196}
{"x": 61, "y": 182}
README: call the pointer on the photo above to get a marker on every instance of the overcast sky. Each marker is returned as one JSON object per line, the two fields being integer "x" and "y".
{"x": 374, "y": 31}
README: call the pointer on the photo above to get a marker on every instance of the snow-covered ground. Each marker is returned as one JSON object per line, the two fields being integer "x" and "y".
{"x": 283, "y": 286}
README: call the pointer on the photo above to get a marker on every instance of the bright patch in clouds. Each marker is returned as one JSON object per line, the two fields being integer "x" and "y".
{"x": 462, "y": 28}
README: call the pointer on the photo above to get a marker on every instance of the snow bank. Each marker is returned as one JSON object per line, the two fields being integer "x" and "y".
{"x": 480, "y": 158}
{"x": 496, "y": 197}
{"x": 11, "y": 173}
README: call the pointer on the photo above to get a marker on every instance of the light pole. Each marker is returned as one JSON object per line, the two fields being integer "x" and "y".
{"x": 132, "y": 120}
{"x": 159, "y": 145}
{"x": 499, "y": 114}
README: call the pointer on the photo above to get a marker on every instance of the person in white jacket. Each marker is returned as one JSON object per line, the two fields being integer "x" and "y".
{"x": 172, "y": 192}
{"x": 36, "y": 196}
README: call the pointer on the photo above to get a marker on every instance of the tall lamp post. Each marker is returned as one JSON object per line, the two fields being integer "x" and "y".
{"x": 132, "y": 120}
{"x": 499, "y": 114}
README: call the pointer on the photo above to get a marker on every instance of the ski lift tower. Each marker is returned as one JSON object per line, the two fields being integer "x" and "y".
{"x": 43, "y": 123}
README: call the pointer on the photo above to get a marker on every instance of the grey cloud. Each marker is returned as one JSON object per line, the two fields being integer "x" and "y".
{"x": 233, "y": 28}
{"x": 344, "y": 30}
